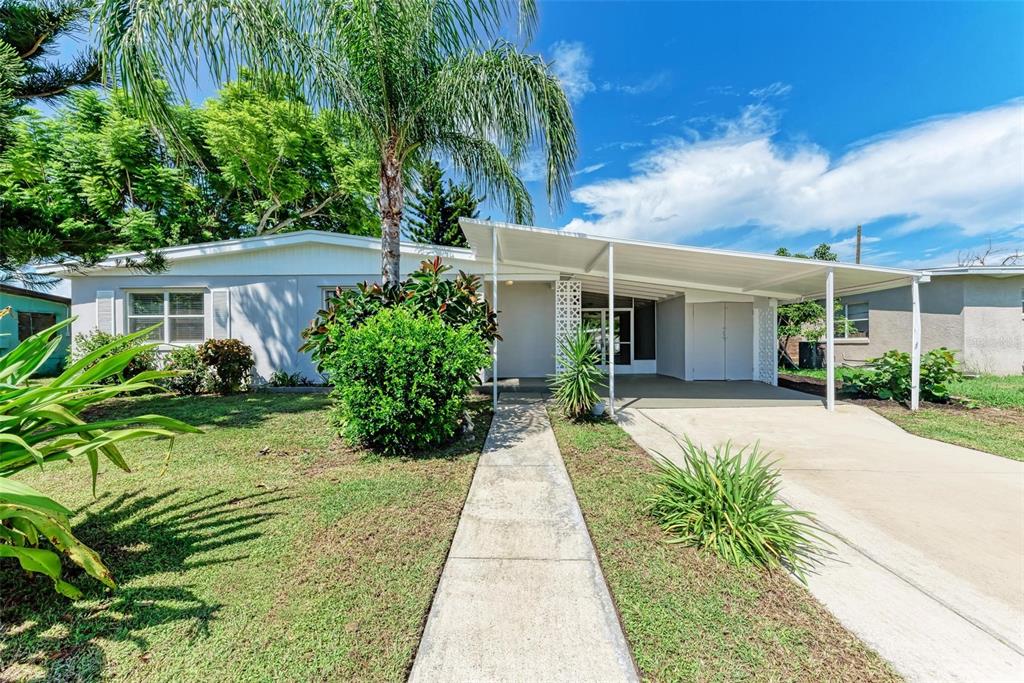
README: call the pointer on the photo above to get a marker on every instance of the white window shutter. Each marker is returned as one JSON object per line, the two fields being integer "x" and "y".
{"x": 221, "y": 318}
{"x": 105, "y": 311}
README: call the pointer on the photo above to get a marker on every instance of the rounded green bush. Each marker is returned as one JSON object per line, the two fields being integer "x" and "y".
{"x": 401, "y": 379}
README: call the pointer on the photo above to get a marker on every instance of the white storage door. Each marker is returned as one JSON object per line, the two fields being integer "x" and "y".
{"x": 739, "y": 341}
{"x": 707, "y": 357}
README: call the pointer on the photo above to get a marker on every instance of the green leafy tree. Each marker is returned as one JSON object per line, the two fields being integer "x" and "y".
{"x": 822, "y": 252}
{"x": 807, "y": 318}
{"x": 282, "y": 166}
{"x": 29, "y": 32}
{"x": 420, "y": 78}
{"x": 436, "y": 209}
{"x": 94, "y": 179}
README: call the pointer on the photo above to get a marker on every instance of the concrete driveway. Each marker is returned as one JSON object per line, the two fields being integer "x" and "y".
{"x": 928, "y": 567}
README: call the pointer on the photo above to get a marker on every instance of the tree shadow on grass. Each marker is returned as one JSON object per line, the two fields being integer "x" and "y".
{"x": 237, "y": 410}
{"x": 44, "y": 636}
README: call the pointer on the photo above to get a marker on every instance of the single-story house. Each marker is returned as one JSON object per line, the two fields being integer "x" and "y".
{"x": 32, "y": 311}
{"x": 977, "y": 311}
{"x": 685, "y": 312}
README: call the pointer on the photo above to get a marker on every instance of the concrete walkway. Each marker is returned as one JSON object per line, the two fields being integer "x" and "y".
{"x": 929, "y": 565}
{"x": 522, "y": 597}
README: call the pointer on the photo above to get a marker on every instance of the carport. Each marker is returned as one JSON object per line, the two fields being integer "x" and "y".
{"x": 716, "y": 310}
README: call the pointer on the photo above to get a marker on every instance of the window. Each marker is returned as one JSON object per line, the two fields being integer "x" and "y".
{"x": 857, "y": 314}
{"x": 329, "y": 292}
{"x": 180, "y": 315}
{"x": 31, "y": 323}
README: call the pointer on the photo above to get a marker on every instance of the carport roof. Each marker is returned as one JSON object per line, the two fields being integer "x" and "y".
{"x": 659, "y": 269}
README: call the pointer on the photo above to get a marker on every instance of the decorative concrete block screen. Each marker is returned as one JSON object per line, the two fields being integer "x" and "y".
{"x": 765, "y": 357}
{"x": 568, "y": 316}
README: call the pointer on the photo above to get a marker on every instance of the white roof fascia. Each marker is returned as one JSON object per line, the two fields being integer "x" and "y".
{"x": 191, "y": 251}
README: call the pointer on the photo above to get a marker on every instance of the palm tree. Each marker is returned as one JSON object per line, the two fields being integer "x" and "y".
{"x": 419, "y": 78}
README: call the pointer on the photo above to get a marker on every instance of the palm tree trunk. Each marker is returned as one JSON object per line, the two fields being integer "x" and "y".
{"x": 391, "y": 203}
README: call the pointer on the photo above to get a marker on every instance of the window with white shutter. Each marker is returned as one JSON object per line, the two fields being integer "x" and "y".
{"x": 105, "y": 311}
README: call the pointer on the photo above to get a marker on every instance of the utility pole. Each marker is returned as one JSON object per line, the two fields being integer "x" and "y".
{"x": 858, "y": 243}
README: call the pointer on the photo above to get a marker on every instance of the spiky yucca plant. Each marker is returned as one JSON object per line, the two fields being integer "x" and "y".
{"x": 575, "y": 384}
{"x": 42, "y": 424}
{"x": 728, "y": 502}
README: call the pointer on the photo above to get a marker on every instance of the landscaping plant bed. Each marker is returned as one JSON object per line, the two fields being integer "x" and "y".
{"x": 267, "y": 550}
{"x": 688, "y": 615}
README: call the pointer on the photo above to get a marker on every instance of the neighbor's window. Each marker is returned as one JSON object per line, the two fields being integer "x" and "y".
{"x": 181, "y": 315}
{"x": 857, "y": 314}
{"x": 31, "y": 323}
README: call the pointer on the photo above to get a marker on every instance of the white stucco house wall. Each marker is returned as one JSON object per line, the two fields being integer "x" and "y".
{"x": 977, "y": 311}
{"x": 685, "y": 312}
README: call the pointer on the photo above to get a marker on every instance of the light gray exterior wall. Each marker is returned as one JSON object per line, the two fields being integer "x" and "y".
{"x": 526, "y": 323}
{"x": 979, "y": 317}
{"x": 670, "y": 323}
{"x": 267, "y": 313}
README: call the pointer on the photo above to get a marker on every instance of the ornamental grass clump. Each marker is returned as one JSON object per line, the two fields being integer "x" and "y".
{"x": 575, "y": 384}
{"x": 727, "y": 502}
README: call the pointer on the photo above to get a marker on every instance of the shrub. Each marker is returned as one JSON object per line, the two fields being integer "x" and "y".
{"x": 229, "y": 362}
{"x": 575, "y": 384}
{"x": 457, "y": 301}
{"x": 888, "y": 378}
{"x": 41, "y": 424}
{"x": 85, "y": 343}
{"x": 280, "y": 378}
{"x": 190, "y": 373}
{"x": 401, "y": 379}
{"x": 728, "y": 503}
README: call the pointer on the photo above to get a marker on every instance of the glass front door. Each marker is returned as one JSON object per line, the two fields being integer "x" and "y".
{"x": 595, "y": 322}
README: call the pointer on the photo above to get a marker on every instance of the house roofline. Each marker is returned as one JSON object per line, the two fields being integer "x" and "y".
{"x": 204, "y": 249}
{"x": 33, "y": 294}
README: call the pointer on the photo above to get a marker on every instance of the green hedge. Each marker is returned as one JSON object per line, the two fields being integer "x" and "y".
{"x": 402, "y": 377}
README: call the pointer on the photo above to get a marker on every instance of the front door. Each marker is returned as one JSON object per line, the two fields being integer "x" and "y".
{"x": 595, "y": 322}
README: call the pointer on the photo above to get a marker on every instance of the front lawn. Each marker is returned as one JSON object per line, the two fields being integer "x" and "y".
{"x": 991, "y": 390}
{"x": 986, "y": 413}
{"x": 688, "y": 615}
{"x": 267, "y": 551}
{"x": 999, "y": 431}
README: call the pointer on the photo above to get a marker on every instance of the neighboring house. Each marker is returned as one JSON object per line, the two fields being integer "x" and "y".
{"x": 685, "y": 312}
{"x": 978, "y": 311}
{"x": 32, "y": 312}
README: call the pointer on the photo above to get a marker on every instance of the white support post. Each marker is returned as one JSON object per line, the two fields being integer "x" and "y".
{"x": 915, "y": 345}
{"x": 830, "y": 341}
{"x": 494, "y": 305}
{"x": 611, "y": 329}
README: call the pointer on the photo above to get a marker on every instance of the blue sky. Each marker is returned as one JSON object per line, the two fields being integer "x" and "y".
{"x": 757, "y": 125}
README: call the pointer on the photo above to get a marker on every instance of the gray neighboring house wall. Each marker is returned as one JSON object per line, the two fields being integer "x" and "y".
{"x": 977, "y": 311}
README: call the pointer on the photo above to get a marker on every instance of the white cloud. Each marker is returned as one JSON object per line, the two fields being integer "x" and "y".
{"x": 571, "y": 66}
{"x": 590, "y": 169}
{"x": 649, "y": 84}
{"x": 661, "y": 119}
{"x": 960, "y": 170}
{"x": 776, "y": 89}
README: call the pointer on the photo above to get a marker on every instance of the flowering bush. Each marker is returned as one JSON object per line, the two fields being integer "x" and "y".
{"x": 229, "y": 361}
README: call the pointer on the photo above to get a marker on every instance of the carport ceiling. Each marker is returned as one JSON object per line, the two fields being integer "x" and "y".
{"x": 657, "y": 270}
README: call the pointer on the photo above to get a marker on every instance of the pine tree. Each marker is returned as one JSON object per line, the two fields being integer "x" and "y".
{"x": 435, "y": 209}
{"x": 29, "y": 31}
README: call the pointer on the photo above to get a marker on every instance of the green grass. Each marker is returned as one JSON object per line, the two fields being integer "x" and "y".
{"x": 801, "y": 372}
{"x": 267, "y": 550}
{"x": 689, "y": 615}
{"x": 996, "y": 431}
{"x": 991, "y": 390}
